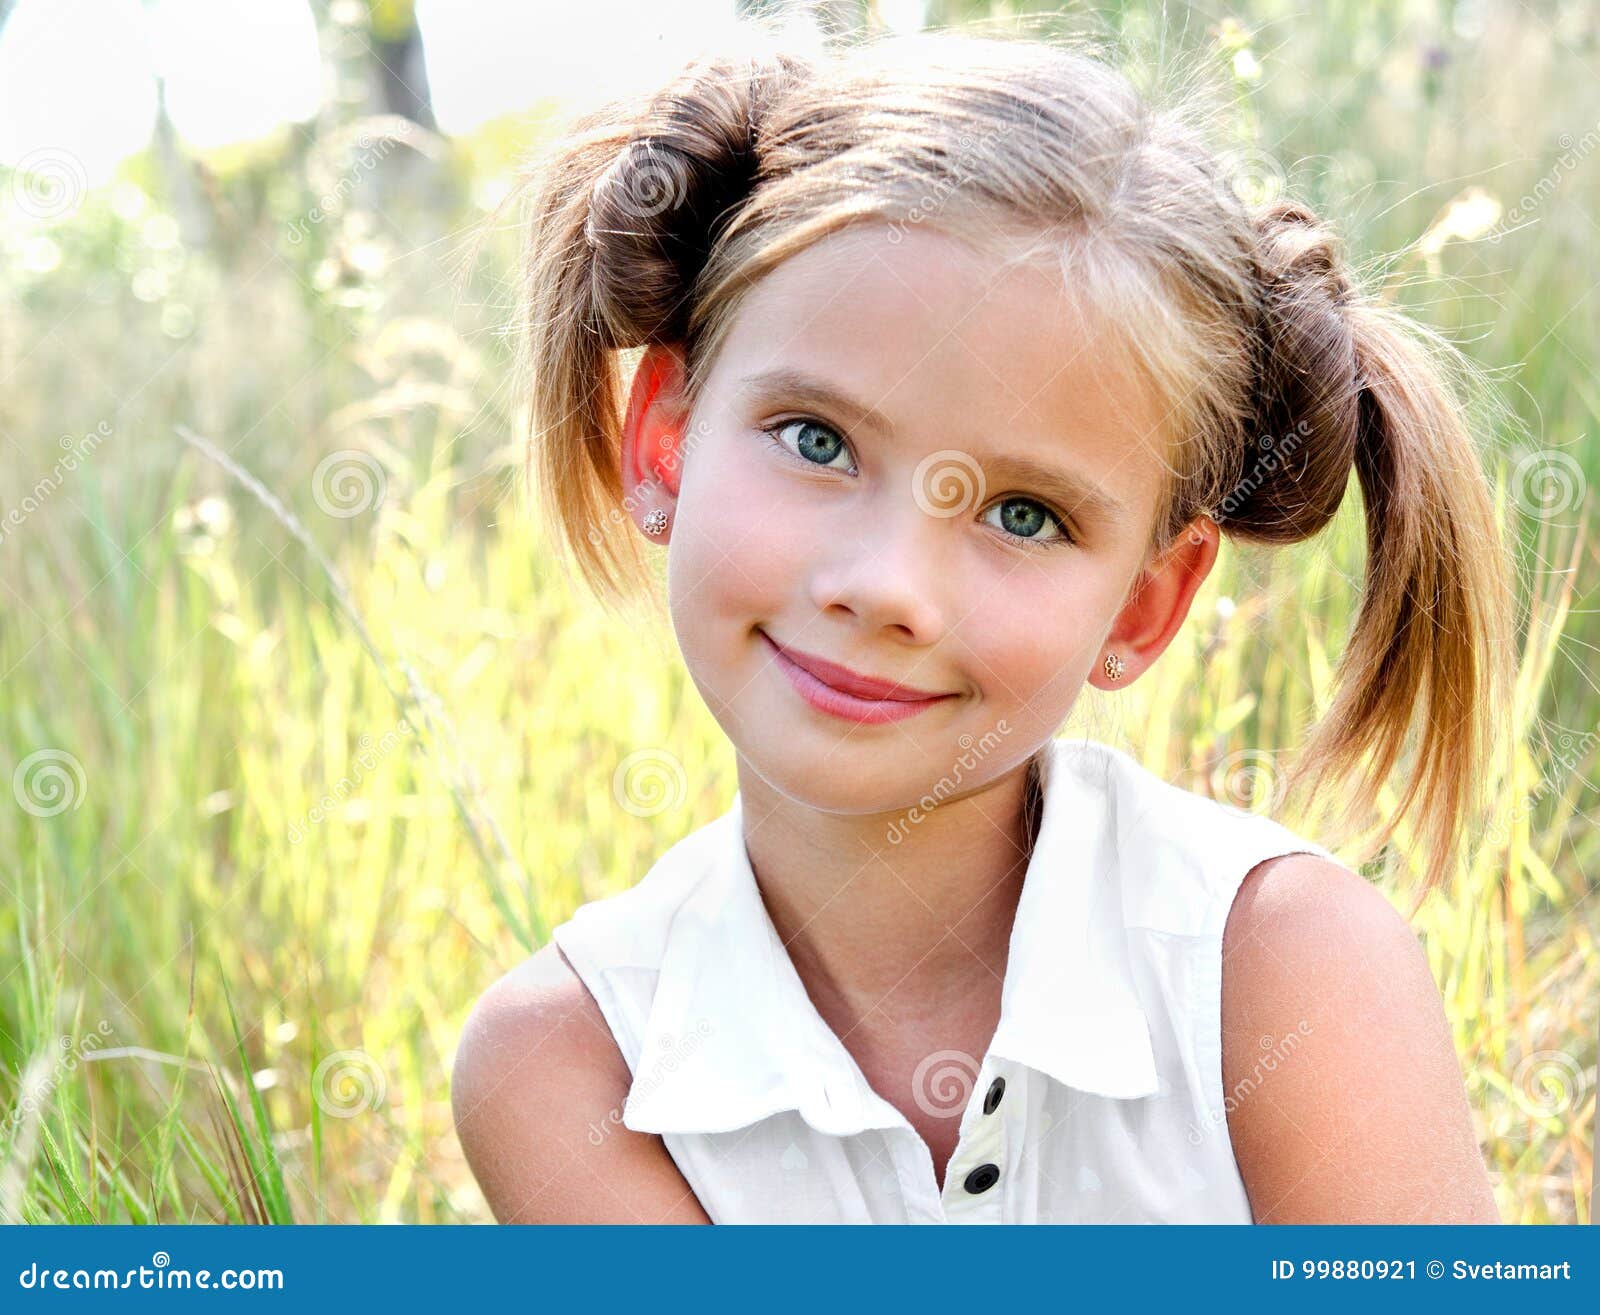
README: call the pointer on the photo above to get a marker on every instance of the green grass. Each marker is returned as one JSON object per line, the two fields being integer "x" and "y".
{"x": 327, "y": 775}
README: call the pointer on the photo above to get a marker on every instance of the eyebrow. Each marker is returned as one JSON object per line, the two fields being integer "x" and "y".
{"x": 1075, "y": 494}
{"x": 798, "y": 386}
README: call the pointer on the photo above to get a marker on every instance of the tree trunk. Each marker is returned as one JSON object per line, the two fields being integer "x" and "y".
{"x": 402, "y": 76}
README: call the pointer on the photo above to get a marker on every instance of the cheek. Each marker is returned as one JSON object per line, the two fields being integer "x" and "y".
{"x": 1036, "y": 633}
{"x": 738, "y": 534}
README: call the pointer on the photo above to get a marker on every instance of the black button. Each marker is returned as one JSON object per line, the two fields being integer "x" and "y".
{"x": 997, "y": 1089}
{"x": 982, "y": 1178}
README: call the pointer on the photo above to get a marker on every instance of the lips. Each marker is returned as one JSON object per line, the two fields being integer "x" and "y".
{"x": 851, "y": 682}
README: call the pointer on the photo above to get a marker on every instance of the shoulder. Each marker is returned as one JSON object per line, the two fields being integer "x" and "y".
{"x": 537, "y": 1088}
{"x": 1179, "y": 855}
{"x": 630, "y": 928}
{"x": 536, "y": 1022}
{"x": 1344, "y": 1095}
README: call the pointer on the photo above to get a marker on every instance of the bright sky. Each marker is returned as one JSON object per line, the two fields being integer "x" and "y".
{"x": 77, "y": 76}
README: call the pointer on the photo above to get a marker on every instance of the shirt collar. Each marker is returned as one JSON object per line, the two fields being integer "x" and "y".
{"x": 732, "y": 1036}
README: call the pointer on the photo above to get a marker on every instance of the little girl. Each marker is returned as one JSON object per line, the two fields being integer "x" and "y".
{"x": 958, "y": 359}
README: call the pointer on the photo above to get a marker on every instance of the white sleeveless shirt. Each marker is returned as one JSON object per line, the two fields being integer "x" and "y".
{"x": 1100, "y": 1099}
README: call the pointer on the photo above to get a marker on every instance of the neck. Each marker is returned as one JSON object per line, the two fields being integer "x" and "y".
{"x": 863, "y": 918}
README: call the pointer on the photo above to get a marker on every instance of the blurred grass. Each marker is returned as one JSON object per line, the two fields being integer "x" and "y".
{"x": 258, "y": 873}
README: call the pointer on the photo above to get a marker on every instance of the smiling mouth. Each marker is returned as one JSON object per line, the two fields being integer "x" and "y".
{"x": 848, "y": 694}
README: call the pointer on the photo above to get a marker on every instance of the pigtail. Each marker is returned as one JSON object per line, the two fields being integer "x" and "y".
{"x": 626, "y": 208}
{"x": 1348, "y": 380}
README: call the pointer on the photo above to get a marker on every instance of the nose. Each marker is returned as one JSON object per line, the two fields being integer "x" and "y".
{"x": 889, "y": 572}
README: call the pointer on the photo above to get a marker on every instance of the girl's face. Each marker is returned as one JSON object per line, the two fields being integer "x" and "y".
{"x": 912, "y": 462}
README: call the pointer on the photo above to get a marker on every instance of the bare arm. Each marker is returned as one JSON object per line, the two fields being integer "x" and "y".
{"x": 1363, "y": 1117}
{"x": 537, "y": 1090}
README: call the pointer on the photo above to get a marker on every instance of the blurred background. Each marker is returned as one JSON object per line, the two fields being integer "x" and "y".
{"x": 306, "y": 736}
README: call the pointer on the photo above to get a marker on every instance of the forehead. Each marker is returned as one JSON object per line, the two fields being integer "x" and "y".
{"x": 985, "y": 352}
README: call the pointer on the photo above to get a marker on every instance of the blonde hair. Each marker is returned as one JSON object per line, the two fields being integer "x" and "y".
{"x": 652, "y": 216}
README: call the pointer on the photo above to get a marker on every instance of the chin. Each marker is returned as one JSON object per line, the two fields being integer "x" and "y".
{"x": 847, "y": 771}
{"x": 853, "y": 781}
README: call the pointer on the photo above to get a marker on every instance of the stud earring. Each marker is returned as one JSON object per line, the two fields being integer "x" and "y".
{"x": 1113, "y": 667}
{"x": 655, "y": 522}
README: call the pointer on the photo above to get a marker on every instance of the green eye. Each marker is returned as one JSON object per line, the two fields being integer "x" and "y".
{"x": 821, "y": 445}
{"x": 814, "y": 443}
{"x": 1025, "y": 518}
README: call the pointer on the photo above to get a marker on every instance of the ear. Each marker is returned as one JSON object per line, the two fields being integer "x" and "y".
{"x": 652, "y": 436}
{"x": 1159, "y": 602}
